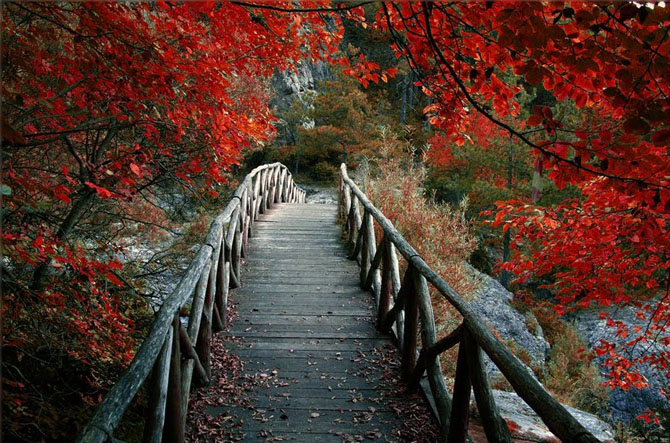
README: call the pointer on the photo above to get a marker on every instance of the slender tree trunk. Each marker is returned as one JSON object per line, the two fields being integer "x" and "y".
{"x": 410, "y": 90}
{"x": 403, "y": 100}
{"x": 78, "y": 209}
{"x": 504, "y": 277}
{"x": 64, "y": 230}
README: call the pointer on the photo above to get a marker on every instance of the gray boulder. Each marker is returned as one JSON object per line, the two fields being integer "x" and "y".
{"x": 529, "y": 426}
{"x": 492, "y": 302}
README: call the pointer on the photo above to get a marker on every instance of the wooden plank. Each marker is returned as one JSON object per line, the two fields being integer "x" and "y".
{"x": 318, "y": 365}
{"x": 290, "y": 311}
{"x": 295, "y": 301}
{"x": 303, "y": 422}
{"x": 269, "y": 288}
{"x": 268, "y": 353}
{"x": 279, "y": 277}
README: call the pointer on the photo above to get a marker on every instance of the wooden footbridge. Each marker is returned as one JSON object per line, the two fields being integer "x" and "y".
{"x": 304, "y": 313}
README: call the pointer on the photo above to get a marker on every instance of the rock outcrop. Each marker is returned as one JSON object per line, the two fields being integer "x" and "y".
{"x": 528, "y": 426}
{"x": 492, "y": 302}
{"x": 293, "y": 85}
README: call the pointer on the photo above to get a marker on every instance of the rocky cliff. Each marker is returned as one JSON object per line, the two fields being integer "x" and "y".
{"x": 289, "y": 86}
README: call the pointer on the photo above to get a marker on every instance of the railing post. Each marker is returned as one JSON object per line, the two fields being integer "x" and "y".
{"x": 262, "y": 193}
{"x": 153, "y": 427}
{"x": 173, "y": 431}
{"x": 352, "y": 224}
{"x": 221, "y": 293}
{"x": 266, "y": 191}
{"x": 495, "y": 427}
{"x": 386, "y": 292}
{"x": 374, "y": 274}
{"x": 340, "y": 198}
{"x": 460, "y": 408}
{"x": 278, "y": 185}
{"x": 366, "y": 227}
{"x": 244, "y": 220}
{"x": 431, "y": 363}
{"x": 400, "y": 314}
{"x": 236, "y": 254}
{"x": 411, "y": 325}
{"x": 204, "y": 339}
{"x": 257, "y": 187}
{"x": 271, "y": 187}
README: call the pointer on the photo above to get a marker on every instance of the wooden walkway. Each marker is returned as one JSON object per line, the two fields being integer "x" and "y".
{"x": 307, "y": 326}
{"x": 305, "y": 335}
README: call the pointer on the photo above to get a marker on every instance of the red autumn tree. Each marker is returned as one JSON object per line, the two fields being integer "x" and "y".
{"x": 612, "y": 61}
{"x": 104, "y": 105}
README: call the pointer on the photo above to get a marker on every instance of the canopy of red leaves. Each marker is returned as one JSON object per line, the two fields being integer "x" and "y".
{"x": 611, "y": 61}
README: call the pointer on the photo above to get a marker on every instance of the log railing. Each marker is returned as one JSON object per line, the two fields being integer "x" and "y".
{"x": 178, "y": 356}
{"x": 404, "y": 309}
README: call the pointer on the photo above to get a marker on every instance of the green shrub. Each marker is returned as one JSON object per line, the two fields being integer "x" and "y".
{"x": 324, "y": 172}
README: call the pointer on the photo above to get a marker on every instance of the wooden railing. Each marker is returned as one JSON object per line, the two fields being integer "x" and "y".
{"x": 177, "y": 355}
{"x": 404, "y": 309}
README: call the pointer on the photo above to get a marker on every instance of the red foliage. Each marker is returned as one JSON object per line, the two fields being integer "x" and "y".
{"x": 104, "y": 102}
{"x": 612, "y": 61}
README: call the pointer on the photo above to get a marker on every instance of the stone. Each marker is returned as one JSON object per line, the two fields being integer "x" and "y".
{"x": 522, "y": 331}
{"x": 294, "y": 84}
{"x": 320, "y": 195}
{"x": 624, "y": 405}
{"x": 527, "y": 425}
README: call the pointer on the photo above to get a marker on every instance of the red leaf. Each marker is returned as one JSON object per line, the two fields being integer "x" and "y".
{"x": 102, "y": 192}
{"x": 661, "y": 138}
{"x": 135, "y": 169}
{"x": 63, "y": 197}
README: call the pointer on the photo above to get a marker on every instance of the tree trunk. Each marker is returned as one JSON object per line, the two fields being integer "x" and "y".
{"x": 504, "y": 277}
{"x": 64, "y": 230}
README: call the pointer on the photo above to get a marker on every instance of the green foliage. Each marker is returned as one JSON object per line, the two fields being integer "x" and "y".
{"x": 325, "y": 172}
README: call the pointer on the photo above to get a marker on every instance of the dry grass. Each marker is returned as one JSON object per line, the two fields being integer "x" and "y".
{"x": 440, "y": 233}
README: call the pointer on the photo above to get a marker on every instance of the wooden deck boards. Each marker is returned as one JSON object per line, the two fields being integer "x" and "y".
{"x": 302, "y": 314}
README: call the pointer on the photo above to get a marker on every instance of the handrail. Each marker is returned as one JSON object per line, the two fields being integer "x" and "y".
{"x": 399, "y": 307}
{"x": 213, "y": 270}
